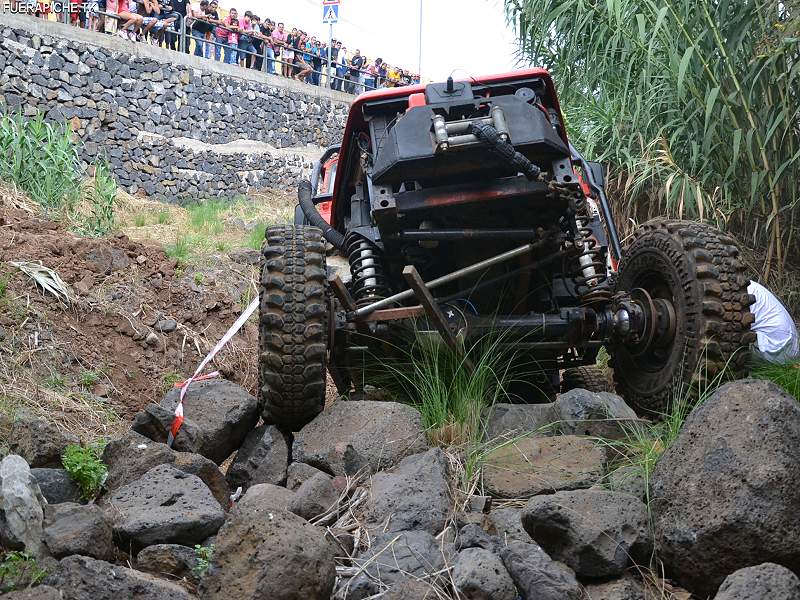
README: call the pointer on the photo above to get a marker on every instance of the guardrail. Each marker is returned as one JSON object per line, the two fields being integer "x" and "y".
{"x": 339, "y": 77}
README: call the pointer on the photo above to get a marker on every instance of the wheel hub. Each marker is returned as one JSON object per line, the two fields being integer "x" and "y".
{"x": 642, "y": 322}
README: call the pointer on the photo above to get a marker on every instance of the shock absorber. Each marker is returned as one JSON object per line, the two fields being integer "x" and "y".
{"x": 592, "y": 271}
{"x": 366, "y": 267}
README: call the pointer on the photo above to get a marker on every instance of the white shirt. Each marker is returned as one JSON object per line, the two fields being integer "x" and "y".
{"x": 778, "y": 340}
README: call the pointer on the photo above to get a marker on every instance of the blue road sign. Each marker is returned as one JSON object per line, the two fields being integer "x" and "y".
{"x": 330, "y": 14}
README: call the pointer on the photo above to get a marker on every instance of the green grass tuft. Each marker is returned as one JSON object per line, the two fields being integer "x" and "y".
{"x": 256, "y": 237}
{"x": 786, "y": 376}
{"x": 180, "y": 249}
{"x": 85, "y": 467}
{"x": 101, "y": 197}
{"x": 438, "y": 382}
{"x": 88, "y": 378}
{"x": 18, "y": 571}
{"x": 206, "y": 217}
{"x": 163, "y": 217}
{"x": 140, "y": 220}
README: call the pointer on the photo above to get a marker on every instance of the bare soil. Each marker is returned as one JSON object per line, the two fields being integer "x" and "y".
{"x": 94, "y": 362}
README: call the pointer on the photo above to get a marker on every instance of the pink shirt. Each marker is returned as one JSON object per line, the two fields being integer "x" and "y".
{"x": 221, "y": 32}
{"x": 278, "y": 36}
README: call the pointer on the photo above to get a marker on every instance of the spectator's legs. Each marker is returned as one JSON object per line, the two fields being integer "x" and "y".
{"x": 218, "y": 48}
{"x": 230, "y": 55}
{"x": 270, "y": 60}
{"x": 198, "y": 38}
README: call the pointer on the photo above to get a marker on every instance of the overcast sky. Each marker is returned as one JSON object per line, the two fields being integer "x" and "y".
{"x": 470, "y": 35}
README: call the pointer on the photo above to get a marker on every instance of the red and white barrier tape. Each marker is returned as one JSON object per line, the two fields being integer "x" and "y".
{"x": 184, "y": 386}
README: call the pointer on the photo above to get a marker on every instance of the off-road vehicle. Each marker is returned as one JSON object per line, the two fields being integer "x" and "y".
{"x": 463, "y": 207}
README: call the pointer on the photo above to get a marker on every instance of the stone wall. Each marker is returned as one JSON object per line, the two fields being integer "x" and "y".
{"x": 172, "y": 126}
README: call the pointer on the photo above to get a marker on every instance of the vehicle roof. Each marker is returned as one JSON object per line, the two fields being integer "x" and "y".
{"x": 355, "y": 119}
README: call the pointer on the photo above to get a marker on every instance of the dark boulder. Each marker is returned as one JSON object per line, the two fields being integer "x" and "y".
{"x": 725, "y": 494}
{"x": 218, "y": 415}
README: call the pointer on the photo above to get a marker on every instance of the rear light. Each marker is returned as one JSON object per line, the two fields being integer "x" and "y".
{"x": 415, "y": 100}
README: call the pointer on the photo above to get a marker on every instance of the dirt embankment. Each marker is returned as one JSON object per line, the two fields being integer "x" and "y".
{"x": 137, "y": 321}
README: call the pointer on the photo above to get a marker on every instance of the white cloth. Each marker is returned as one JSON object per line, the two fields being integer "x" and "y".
{"x": 778, "y": 340}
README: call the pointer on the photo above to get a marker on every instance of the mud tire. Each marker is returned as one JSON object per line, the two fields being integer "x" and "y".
{"x": 293, "y": 326}
{"x": 699, "y": 267}
{"x": 589, "y": 377}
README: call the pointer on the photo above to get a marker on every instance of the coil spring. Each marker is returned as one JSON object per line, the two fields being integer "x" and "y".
{"x": 589, "y": 287}
{"x": 366, "y": 267}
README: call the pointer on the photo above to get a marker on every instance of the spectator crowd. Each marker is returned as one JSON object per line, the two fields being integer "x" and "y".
{"x": 238, "y": 39}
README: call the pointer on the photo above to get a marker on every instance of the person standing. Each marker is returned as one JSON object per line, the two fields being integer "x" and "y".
{"x": 178, "y": 10}
{"x": 280, "y": 40}
{"x": 222, "y": 33}
{"x": 334, "y": 57}
{"x": 267, "y": 30}
{"x": 355, "y": 73}
{"x": 246, "y": 47}
{"x": 199, "y": 27}
{"x": 341, "y": 70}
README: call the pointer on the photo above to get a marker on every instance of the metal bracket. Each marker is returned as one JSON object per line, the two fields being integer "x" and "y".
{"x": 434, "y": 313}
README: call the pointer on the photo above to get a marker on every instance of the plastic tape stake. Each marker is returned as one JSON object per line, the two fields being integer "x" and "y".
{"x": 178, "y": 420}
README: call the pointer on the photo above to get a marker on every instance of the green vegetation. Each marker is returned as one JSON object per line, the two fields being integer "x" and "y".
{"x": 18, "y": 571}
{"x": 100, "y": 199}
{"x": 41, "y": 159}
{"x": 203, "y": 554}
{"x": 198, "y": 278}
{"x": 786, "y": 376}
{"x": 56, "y": 381}
{"x": 163, "y": 217}
{"x": 89, "y": 377}
{"x": 85, "y": 467}
{"x": 170, "y": 379}
{"x": 180, "y": 249}
{"x": 256, "y": 236}
{"x": 140, "y": 220}
{"x": 440, "y": 384}
{"x": 4, "y": 279}
{"x": 206, "y": 217}
{"x": 693, "y": 104}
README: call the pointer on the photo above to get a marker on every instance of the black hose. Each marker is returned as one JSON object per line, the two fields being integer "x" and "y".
{"x": 312, "y": 214}
{"x": 489, "y": 136}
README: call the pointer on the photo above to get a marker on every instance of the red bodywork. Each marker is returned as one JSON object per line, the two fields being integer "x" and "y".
{"x": 416, "y": 94}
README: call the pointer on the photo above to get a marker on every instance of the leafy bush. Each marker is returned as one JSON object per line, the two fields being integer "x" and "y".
{"x": 85, "y": 468}
{"x": 18, "y": 570}
{"x": 203, "y": 554}
{"x": 42, "y": 159}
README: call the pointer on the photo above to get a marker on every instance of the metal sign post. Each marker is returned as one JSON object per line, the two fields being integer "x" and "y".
{"x": 330, "y": 15}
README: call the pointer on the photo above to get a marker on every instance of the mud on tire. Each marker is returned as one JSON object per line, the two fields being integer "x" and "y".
{"x": 293, "y": 326}
{"x": 698, "y": 268}
{"x": 589, "y": 377}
